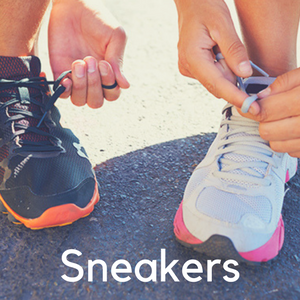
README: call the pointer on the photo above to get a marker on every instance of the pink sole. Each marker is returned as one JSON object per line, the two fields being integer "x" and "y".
{"x": 287, "y": 176}
{"x": 181, "y": 231}
{"x": 270, "y": 249}
{"x": 264, "y": 253}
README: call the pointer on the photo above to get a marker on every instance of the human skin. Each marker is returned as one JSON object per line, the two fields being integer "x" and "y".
{"x": 19, "y": 26}
{"x": 203, "y": 26}
{"x": 280, "y": 113}
{"x": 85, "y": 37}
{"x": 270, "y": 33}
{"x": 82, "y": 37}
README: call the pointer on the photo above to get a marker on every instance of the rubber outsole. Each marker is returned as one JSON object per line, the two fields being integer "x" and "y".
{"x": 218, "y": 246}
{"x": 60, "y": 215}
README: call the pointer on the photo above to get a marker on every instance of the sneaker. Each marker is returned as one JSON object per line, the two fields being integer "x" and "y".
{"x": 46, "y": 178}
{"x": 232, "y": 203}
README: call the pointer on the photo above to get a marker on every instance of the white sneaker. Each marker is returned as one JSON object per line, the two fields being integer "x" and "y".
{"x": 232, "y": 203}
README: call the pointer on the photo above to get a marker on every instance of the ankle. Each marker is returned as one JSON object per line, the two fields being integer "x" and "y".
{"x": 275, "y": 67}
{"x": 16, "y": 49}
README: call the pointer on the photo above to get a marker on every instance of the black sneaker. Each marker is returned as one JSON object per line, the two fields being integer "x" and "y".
{"x": 46, "y": 178}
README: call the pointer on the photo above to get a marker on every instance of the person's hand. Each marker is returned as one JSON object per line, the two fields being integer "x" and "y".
{"x": 204, "y": 25}
{"x": 85, "y": 38}
{"x": 279, "y": 115}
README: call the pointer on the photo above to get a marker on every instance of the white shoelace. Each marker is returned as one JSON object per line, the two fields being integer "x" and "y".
{"x": 244, "y": 155}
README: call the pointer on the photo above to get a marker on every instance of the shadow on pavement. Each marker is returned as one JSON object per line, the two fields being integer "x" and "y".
{"x": 140, "y": 193}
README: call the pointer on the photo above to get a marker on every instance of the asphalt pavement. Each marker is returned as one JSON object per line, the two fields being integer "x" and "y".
{"x": 144, "y": 147}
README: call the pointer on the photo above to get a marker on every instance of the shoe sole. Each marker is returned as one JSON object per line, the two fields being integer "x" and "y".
{"x": 218, "y": 246}
{"x": 61, "y": 215}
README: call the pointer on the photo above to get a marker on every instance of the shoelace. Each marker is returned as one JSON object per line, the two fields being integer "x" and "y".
{"x": 242, "y": 138}
{"x": 234, "y": 141}
{"x": 41, "y": 85}
{"x": 248, "y": 101}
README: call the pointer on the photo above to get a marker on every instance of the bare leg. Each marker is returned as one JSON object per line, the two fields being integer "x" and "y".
{"x": 20, "y": 22}
{"x": 270, "y": 33}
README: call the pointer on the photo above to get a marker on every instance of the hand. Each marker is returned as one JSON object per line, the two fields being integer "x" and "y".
{"x": 88, "y": 40}
{"x": 280, "y": 113}
{"x": 204, "y": 25}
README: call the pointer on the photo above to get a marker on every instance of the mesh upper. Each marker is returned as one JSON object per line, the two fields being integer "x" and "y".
{"x": 230, "y": 207}
{"x": 226, "y": 206}
{"x": 47, "y": 175}
{"x": 53, "y": 175}
{"x": 235, "y": 157}
{"x": 16, "y": 68}
{"x": 196, "y": 179}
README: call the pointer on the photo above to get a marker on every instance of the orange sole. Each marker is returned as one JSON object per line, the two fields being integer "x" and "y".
{"x": 57, "y": 216}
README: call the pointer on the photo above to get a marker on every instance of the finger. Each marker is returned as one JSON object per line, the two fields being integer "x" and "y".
{"x": 232, "y": 48}
{"x": 228, "y": 74}
{"x": 114, "y": 55}
{"x": 295, "y": 154}
{"x": 67, "y": 83}
{"x": 283, "y": 83}
{"x": 79, "y": 80}
{"x": 282, "y": 130}
{"x": 289, "y": 146}
{"x": 202, "y": 67}
{"x": 94, "y": 90}
{"x": 279, "y": 106}
{"x": 108, "y": 79}
{"x": 184, "y": 71}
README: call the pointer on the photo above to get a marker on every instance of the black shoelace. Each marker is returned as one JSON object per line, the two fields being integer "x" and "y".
{"x": 41, "y": 86}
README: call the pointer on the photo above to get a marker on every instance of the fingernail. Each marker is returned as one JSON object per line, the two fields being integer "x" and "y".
{"x": 103, "y": 69}
{"x": 91, "y": 65}
{"x": 67, "y": 89}
{"x": 264, "y": 93}
{"x": 124, "y": 77}
{"x": 79, "y": 70}
{"x": 245, "y": 68}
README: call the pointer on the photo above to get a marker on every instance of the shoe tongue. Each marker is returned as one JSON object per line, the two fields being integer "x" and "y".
{"x": 16, "y": 68}
{"x": 255, "y": 84}
{"x": 234, "y": 112}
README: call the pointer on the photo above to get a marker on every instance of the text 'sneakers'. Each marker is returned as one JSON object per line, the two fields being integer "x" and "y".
{"x": 232, "y": 204}
{"x": 46, "y": 178}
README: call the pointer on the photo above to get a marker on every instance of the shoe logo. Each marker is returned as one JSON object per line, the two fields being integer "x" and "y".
{"x": 21, "y": 165}
{"x": 79, "y": 150}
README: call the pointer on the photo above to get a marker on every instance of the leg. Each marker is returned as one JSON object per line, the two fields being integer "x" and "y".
{"x": 20, "y": 22}
{"x": 46, "y": 178}
{"x": 230, "y": 208}
{"x": 270, "y": 33}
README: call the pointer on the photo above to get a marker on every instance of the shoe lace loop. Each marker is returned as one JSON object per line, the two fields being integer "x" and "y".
{"x": 40, "y": 89}
{"x": 243, "y": 141}
{"x": 243, "y": 155}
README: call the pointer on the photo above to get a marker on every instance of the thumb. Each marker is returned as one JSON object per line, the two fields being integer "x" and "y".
{"x": 114, "y": 55}
{"x": 66, "y": 82}
{"x": 283, "y": 83}
{"x": 232, "y": 49}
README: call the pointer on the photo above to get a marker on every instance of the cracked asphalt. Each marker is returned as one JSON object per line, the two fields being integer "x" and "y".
{"x": 144, "y": 148}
